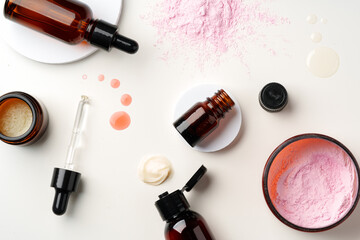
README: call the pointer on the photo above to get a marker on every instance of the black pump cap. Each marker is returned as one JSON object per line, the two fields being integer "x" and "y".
{"x": 273, "y": 97}
{"x": 65, "y": 182}
{"x": 171, "y": 205}
{"x": 104, "y": 35}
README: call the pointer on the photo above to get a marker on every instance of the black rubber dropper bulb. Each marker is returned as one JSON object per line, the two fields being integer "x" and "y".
{"x": 104, "y": 35}
{"x": 65, "y": 180}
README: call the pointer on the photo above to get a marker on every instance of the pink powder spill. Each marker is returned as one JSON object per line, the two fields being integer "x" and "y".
{"x": 115, "y": 83}
{"x": 208, "y": 28}
{"x": 319, "y": 188}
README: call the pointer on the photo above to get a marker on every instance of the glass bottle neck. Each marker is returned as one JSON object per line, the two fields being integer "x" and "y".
{"x": 89, "y": 29}
{"x": 220, "y": 103}
{"x": 186, "y": 214}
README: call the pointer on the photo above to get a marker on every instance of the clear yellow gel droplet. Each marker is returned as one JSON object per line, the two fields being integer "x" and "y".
{"x": 316, "y": 37}
{"x": 323, "y": 20}
{"x": 312, "y": 19}
{"x": 323, "y": 62}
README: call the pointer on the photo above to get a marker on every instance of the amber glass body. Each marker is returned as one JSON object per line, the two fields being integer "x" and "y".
{"x": 68, "y": 21}
{"x": 203, "y": 118}
{"x": 188, "y": 225}
{"x": 39, "y": 123}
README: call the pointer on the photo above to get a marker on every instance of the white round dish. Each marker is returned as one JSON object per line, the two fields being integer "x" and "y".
{"x": 45, "y": 49}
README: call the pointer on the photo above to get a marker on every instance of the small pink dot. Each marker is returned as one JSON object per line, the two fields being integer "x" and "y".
{"x": 101, "y": 77}
{"x": 115, "y": 83}
{"x": 84, "y": 76}
{"x": 126, "y": 99}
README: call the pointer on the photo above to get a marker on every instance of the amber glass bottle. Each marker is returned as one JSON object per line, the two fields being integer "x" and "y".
{"x": 68, "y": 20}
{"x": 189, "y": 225}
{"x": 203, "y": 118}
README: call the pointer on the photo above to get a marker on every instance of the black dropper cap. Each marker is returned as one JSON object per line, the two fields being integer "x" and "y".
{"x": 171, "y": 205}
{"x": 104, "y": 35}
{"x": 273, "y": 97}
{"x": 65, "y": 182}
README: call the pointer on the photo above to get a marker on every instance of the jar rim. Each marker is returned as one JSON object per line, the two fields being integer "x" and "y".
{"x": 30, "y": 101}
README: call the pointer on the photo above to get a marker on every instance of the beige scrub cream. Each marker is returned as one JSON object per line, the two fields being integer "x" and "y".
{"x": 23, "y": 120}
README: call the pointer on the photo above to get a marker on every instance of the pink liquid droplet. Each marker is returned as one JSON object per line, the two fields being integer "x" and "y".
{"x": 84, "y": 76}
{"x": 101, "y": 77}
{"x": 120, "y": 120}
{"x": 115, "y": 83}
{"x": 126, "y": 99}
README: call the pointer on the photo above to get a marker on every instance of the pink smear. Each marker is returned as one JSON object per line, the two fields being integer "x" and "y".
{"x": 209, "y": 28}
{"x": 319, "y": 188}
{"x": 126, "y": 99}
{"x": 115, "y": 83}
{"x": 84, "y": 76}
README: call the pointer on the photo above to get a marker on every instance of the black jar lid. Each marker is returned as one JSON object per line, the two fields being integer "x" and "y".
{"x": 273, "y": 97}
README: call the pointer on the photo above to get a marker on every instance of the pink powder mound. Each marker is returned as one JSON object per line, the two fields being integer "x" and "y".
{"x": 319, "y": 187}
{"x": 208, "y": 28}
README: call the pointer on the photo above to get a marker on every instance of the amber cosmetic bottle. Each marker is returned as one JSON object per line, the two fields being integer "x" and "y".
{"x": 203, "y": 118}
{"x": 68, "y": 20}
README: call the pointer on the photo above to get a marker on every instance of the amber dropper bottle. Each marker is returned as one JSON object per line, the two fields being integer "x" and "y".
{"x": 203, "y": 118}
{"x": 68, "y": 20}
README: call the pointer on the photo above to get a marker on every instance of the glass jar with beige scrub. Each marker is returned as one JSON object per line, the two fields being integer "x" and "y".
{"x": 23, "y": 120}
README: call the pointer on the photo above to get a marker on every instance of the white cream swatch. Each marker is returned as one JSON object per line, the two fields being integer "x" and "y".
{"x": 154, "y": 170}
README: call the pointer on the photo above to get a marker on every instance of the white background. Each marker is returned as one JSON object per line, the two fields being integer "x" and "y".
{"x": 112, "y": 202}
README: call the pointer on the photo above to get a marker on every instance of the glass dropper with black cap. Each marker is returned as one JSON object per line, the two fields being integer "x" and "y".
{"x": 68, "y": 20}
{"x": 66, "y": 180}
{"x": 181, "y": 222}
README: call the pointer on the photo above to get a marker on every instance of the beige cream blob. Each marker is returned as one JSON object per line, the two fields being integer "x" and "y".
{"x": 154, "y": 170}
{"x": 323, "y": 62}
{"x": 15, "y": 117}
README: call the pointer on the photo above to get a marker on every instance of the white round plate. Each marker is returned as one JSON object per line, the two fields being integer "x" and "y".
{"x": 229, "y": 126}
{"x": 42, "y": 48}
